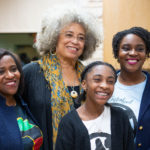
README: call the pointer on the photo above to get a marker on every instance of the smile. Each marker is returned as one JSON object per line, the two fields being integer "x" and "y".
{"x": 72, "y": 48}
{"x": 132, "y": 61}
{"x": 102, "y": 93}
{"x": 12, "y": 83}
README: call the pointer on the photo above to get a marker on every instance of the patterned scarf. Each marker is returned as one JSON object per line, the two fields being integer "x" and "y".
{"x": 61, "y": 101}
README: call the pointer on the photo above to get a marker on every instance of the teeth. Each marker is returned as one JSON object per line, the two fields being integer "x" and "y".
{"x": 102, "y": 94}
{"x": 10, "y": 83}
{"x": 72, "y": 48}
{"x": 132, "y": 60}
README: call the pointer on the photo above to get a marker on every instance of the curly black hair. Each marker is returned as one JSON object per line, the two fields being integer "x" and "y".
{"x": 139, "y": 31}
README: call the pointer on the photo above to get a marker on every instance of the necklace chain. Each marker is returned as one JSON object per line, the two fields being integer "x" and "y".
{"x": 73, "y": 93}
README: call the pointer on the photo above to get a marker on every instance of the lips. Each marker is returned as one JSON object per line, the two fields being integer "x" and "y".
{"x": 132, "y": 61}
{"x": 11, "y": 83}
{"x": 72, "y": 49}
{"x": 102, "y": 95}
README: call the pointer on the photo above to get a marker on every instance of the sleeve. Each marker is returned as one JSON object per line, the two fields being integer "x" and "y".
{"x": 65, "y": 136}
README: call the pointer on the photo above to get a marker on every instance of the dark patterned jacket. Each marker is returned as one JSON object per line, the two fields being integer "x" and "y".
{"x": 38, "y": 95}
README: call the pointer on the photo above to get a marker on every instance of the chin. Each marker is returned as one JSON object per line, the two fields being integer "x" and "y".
{"x": 133, "y": 70}
{"x": 101, "y": 102}
{"x": 73, "y": 57}
{"x": 12, "y": 92}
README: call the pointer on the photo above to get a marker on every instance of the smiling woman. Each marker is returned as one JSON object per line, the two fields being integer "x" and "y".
{"x": 18, "y": 128}
{"x": 71, "y": 42}
{"x": 131, "y": 47}
{"x": 52, "y": 84}
{"x": 9, "y": 79}
{"x": 95, "y": 124}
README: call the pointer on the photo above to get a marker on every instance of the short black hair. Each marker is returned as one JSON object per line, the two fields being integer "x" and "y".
{"x": 4, "y": 52}
{"x": 139, "y": 31}
{"x": 87, "y": 69}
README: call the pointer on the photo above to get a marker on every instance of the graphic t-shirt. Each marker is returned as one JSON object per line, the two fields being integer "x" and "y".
{"x": 99, "y": 131}
{"x": 129, "y": 99}
{"x": 31, "y": 134}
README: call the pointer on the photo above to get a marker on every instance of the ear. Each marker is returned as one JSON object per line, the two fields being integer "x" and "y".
{"x": 83, "y": 84}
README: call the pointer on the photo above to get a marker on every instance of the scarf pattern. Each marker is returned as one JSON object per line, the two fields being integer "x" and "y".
{"x": 61, "y": 101}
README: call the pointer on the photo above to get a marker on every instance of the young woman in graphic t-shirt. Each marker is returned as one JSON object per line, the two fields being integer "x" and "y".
{"x": 96, "y": 125}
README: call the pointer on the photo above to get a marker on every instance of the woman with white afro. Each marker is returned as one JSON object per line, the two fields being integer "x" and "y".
{"x": 68, "y": 34}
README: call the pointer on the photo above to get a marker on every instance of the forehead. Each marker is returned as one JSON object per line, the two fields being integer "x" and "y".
{"x": 102, "y": 70}
{"x": 7, "y": 59}
{"x": 74, "y": 27}
{"x": 132, "y": 38}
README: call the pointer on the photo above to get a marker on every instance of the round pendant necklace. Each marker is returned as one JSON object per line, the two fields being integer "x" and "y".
{"x": 74, "y": 93}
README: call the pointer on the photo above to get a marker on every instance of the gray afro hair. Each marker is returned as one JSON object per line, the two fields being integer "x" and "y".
{"x": 56, "y": 18}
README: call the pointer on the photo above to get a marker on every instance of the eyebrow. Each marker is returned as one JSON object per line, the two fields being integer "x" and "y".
{"x": 128, "y": 44}
{"x": 101, "y": 76}
{"x": 3, "y": 67}
{"x": 73, "y": 32}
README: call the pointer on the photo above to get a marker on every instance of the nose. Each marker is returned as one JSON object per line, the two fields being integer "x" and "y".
{"x": 74, "y": 40}
{"x": 9, "y": 75}
{"x": 133, "y": 52}
{"x": 104, "y": 85}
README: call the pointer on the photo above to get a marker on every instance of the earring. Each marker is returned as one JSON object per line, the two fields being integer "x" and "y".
{"x": 53, "y": 52}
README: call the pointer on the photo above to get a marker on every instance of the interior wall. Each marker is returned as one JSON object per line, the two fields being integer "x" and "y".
{"x": 24, "y": 16}
{"x": 122, "y": 14}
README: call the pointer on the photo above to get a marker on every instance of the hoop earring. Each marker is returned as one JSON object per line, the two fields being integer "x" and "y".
{"x": 53, "y": 53}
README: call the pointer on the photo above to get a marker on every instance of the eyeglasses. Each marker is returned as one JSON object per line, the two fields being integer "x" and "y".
{"x": 71, "y": 36}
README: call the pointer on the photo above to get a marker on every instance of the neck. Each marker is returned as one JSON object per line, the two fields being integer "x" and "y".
{"x": 65, "y": 63}
{"x": 10, "y": 101}
{"x": 130, "y": 78}
{"x": 89, "y": 111}
{"x": 69, "y": 72}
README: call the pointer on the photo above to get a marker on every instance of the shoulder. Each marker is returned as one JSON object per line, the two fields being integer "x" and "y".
{"x": 31, "y": 67}
{"x": 147, "y": 86}
{"x": 118, "y": 113}
{"x": 70, "y": 118}
{"x": 32, "y": 71}
{"x": 117, "y": 110}
{"x": 72, "y": 123}
{"x": 147, "y": 75}
{"x": 119, "y": 119}
{"x": 34, "y": 81}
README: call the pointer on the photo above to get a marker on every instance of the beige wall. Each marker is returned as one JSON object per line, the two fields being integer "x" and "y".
{"x": 123, "y": 14}
{"x": 24, "y": 16}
